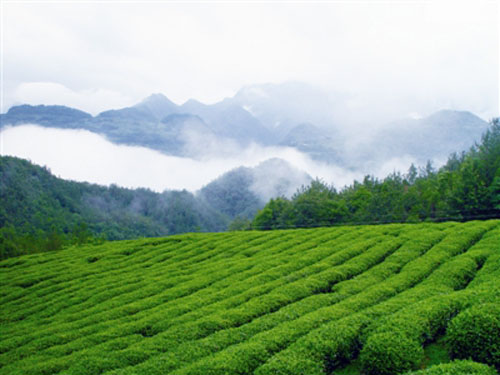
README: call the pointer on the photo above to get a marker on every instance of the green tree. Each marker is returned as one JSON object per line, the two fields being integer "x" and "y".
{"x": 55, "y": 240}
{"x": 275, "y": 215}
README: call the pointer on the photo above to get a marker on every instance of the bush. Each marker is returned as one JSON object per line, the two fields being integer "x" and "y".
{"x": 475, "y": 334}
{"x": 388, "y": 353}
{"x": 457, "y": 368}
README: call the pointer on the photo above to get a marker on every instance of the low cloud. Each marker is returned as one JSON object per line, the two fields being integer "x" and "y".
{"x": 84, "y": 156}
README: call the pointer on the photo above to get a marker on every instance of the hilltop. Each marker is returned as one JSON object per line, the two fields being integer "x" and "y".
{"x": 381, "y": 299}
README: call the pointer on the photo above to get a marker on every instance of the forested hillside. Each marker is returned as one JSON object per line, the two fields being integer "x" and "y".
{"x": 466, "y": 188}
{"x": 39, "y": 211}
{"x": 376, "y": 300}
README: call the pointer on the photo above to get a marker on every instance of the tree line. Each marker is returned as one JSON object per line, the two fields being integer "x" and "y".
{"x": 467, "y": 187}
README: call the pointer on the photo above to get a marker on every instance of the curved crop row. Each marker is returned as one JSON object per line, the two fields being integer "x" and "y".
{"x": 239, "y": 303}
{"x": 340, "y": 341}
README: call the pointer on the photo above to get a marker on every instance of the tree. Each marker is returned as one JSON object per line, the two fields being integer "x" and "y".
{"x": 54, "y": 240}
{"x": 316, "y": 205}
{"x": 412, "y": 174}
{"x": 275, "y": 215}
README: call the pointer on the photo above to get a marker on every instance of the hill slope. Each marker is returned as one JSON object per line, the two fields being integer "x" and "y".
{"x": 299, "y": 301}
{"x": 32, "y": 199}
{"x": 35, "y": 204}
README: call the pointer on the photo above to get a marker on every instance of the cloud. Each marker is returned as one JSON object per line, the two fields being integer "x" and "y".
{"x": 400, "y": 57}
{"x": 50, "y": 93}
{"x": 84, "y": 156}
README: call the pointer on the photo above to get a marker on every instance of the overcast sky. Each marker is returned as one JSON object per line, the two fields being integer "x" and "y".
{"x": 100, "y": 55}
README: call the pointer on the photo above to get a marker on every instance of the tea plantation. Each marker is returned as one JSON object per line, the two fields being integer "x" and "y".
{"x": 340, "y": 300}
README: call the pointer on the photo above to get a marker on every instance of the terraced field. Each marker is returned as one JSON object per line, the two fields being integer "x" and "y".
{"x": 311, "y": 301}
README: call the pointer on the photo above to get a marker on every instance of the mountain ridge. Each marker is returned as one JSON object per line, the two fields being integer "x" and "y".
{"x": 268, "y": 115}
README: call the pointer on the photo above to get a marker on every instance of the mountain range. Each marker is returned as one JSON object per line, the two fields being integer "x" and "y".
{"x": 286, "y": 115}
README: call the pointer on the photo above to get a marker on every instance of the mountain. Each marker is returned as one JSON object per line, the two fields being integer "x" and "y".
{"x": 143, "y": 123}
{"x": 282, "y": 106}
{"x": 291, "y": 114}
{"x": 150, "y": 123}
{"x": 432, "y": 137}
{"x": 32, "y": 199}
{"x": 47, "y": 115}
{"x": 183, "y": 134}
{"x": 313, "y": 141}
{"x": 277, "y": 178}
{"x": 158, "y": 105}
{"x": 243, "y": 191}
{"x": 230, "y": 120}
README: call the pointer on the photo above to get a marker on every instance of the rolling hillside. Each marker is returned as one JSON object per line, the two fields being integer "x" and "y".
{"x": 375, "y": 299}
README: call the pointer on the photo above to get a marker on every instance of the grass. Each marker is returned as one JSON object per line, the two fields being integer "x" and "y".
{"x": 435, "y": 353}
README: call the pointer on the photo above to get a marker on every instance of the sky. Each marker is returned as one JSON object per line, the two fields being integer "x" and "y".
{"x": 384, "y": 58}
{"x": 424, "y": 55}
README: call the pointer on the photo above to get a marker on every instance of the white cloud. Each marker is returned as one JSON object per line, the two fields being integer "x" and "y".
{"x": 421, "y": 56}
{"x": 84, "y": 156}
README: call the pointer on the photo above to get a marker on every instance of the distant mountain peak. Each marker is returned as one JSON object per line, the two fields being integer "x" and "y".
{"x": 193, "y": 105}
{"x": 156, "y": 98}
{"x": 158, "y": 105}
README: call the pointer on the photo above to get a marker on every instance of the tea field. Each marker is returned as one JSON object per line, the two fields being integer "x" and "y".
{"x": 342, "y": 300}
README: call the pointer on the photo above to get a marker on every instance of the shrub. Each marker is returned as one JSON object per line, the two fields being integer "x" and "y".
{"x": 457, "y": 368}
{"x": 475, "y": 334}
{"x": 388, "y": 353}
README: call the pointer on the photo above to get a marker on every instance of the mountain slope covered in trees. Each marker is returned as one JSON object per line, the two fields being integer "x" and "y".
{"x": 39, "y": 211}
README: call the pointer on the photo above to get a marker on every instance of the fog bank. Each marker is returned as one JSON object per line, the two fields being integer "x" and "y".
{"x": 84, "y": 156}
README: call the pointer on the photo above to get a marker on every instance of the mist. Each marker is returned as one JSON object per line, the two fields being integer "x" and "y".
{"x": 84, "y": 156}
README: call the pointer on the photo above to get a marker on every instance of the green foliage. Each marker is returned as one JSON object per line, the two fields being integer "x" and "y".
{"x": 248, "y": 302}
{"x": 389, "y": 353}
{"x": 39, "y": 212}
{"x": 457, "y": 368}
{"x": 276, "y": 215}
{"x": 239, "y": 223}
{"x": 315, "y": 206}
{"x": 475, "y": 334}
{"x": 466, "y": 188}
